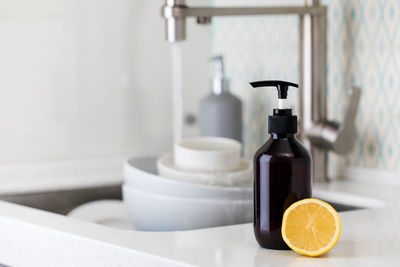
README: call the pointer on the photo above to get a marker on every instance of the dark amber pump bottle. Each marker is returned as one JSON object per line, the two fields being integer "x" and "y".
{"x": 282, "y": 172}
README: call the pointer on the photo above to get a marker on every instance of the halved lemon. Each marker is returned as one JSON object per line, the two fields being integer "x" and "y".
{"x": 311, "y": 227}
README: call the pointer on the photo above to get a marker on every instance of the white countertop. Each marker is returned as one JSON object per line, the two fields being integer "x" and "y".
{"x": 30, "y": 237}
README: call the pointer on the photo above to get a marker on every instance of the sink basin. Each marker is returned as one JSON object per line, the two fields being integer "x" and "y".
{"x": 63, "y": 201}
{"x": 347, "y": 202}
{"x": 339, "y": 207}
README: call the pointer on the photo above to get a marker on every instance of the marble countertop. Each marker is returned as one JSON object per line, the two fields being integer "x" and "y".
{"x": 30, "y": 237}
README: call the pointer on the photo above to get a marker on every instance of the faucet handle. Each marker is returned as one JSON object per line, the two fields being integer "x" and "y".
{"x": 352, "y": 108}
{"x": 334, "y": 136}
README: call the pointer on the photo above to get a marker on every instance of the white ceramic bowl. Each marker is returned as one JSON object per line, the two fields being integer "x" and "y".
{"x": 140, "y": 173}
{"x": 152, "y": 212}
{"x": 108, "y": 212}
{"x": 207, "y": 154}
{"x": 166, "y": 168}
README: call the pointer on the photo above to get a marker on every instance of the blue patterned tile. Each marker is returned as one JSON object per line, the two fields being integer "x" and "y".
{"x": 363, "y": 50}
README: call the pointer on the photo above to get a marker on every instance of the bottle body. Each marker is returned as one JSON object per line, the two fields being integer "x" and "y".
{"x": 282, "y": 176}
{"x": 221, "y": 115}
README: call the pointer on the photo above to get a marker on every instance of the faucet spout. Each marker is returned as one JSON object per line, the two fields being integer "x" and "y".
{"x": 175, "y": 25}
{"x": 175, "y": 13}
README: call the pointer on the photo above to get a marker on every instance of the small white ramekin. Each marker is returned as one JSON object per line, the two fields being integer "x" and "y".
{"x": 207, "y": 154}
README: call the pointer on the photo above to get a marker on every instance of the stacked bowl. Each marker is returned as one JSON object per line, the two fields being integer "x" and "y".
{"x": 204, "y": 184}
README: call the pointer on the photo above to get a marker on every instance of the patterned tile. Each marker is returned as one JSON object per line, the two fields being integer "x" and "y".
{"x": 363, "y": 50}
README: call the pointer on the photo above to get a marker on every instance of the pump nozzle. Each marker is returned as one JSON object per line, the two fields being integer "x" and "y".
{"x": 219, "y": 82}
{"x": 218, "y": 65}
{"x": 282, "y": 87}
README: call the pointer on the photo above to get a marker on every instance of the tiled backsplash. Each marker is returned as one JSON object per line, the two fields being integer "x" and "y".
{"x": 363, "y": 50}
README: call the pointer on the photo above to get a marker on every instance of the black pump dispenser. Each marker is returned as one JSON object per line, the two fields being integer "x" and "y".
{"x": 282, "y": 121}
{"x": 282, "y": 171}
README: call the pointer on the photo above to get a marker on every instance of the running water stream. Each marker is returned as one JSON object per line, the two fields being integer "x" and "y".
{"x": 177, "y": 91}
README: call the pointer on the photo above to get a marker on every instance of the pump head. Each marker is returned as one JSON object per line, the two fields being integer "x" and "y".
{"x": 219, "y": 82}
{"x": 282, "y": 87}
{"x": 282, "y": 121}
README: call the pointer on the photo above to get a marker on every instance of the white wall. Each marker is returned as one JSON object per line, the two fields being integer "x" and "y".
{"x": 90, "y": 78}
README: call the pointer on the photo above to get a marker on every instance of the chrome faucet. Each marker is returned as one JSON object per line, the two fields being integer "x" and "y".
{"x": 319, "y": 134}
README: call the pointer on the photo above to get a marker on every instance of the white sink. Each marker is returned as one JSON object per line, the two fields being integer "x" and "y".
{"x": 347, "y": 202}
